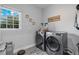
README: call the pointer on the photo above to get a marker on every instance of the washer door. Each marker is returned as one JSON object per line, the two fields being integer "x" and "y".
{"x": 53, "y": 44}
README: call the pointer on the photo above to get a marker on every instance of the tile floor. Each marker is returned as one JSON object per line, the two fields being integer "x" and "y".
{"x": 35, "y": 51}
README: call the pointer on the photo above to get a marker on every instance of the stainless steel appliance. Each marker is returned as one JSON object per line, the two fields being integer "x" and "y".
{"x": 56, "y": 43}
{"x": 40, "y": 40}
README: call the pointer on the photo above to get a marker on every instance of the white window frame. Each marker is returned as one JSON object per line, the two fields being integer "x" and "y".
{"x": 20, "y": 20}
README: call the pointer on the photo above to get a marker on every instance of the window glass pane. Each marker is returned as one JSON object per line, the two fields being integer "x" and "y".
{"x": 10, "y": 17}
{"x": 15, "y": 14}
{"x": 2, "y": 25}
{"x": 9, "y": 20}
{"x": 3, "y": 22}
{"x": 9, "y": 26}
{"x": 16, "y": 22}
{"x": 6, "y": 12}
{"x": 16, "y": 26}
{"x": 0, "y": 11}
{"x": 3, "y": 19}
{"x": 16, "y": 18}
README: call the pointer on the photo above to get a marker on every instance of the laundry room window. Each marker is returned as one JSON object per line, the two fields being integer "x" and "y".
{"x": 9, "y": 19}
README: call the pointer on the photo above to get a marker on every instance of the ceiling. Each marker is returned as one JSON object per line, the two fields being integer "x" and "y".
{"x": 42, "y": 5}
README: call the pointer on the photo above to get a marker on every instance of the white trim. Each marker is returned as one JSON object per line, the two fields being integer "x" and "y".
{"x": 16, "y": 50}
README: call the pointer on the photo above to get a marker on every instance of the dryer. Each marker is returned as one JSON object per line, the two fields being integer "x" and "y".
{"x": 56, "y": 42}
{"x": 40, "y": 40}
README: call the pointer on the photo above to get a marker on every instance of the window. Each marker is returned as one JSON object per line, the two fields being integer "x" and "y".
{"x": 9, "y": 19}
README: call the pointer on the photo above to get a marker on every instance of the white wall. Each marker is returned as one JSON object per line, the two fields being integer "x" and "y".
{"x": 25, "y": 37}
{"x": 66, "y": 23}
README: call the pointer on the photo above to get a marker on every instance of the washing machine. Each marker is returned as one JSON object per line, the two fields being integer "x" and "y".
{"x": 56, "y": 43}
{"x": 40, "y": 40}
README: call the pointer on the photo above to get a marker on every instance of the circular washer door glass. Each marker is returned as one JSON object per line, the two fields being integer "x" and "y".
{"x": 53, "y": 43}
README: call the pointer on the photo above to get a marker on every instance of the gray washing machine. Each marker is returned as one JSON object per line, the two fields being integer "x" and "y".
{"x": 40, "y": 40}
{"x": 56, "y": 43}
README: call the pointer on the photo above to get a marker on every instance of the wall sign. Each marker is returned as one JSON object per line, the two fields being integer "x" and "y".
{"x": 54, "y": 18}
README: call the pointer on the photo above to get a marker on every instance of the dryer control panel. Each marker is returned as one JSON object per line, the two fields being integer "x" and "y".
{"x": 58, "y": 34}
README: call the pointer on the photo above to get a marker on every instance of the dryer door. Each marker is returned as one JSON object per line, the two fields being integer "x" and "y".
{"x": 53, "y": 44}
{"x": 39, "y": 39}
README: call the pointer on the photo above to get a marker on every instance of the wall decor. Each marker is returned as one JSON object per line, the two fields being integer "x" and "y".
{"x": 33, "y": 23}
{"x": 54, "y": 18}
{"x": 27, "y": 16}
{"x": 30, "y": 19}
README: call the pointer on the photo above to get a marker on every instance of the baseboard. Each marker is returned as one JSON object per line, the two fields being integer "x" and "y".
{"x": 16, "y": 50}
